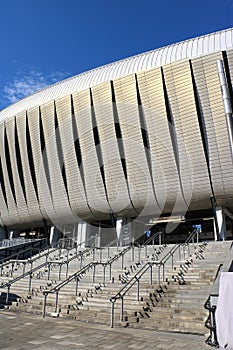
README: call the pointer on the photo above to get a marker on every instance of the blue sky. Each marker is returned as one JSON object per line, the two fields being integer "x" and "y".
{"x": 44, "y": 41}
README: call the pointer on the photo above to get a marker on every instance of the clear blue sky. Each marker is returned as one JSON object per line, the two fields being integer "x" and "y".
{"x": 43, "y": 41}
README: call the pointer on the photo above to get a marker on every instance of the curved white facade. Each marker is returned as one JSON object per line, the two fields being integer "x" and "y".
{"x": 142, "y": 136}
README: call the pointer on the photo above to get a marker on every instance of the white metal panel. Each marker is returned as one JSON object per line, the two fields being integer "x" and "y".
{"x": 117, "y": 190}
{"x": 77, "y": 196}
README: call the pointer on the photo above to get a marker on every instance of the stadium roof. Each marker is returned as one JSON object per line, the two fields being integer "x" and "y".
{"x": 202, "y": 45}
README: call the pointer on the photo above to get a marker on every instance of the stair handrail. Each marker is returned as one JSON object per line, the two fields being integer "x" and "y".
{"x": 142, "y": 271}
{"x": 75, "y": 275}
{"x": 29, "y": 273}
{"x": 153, "y": 237}
{"x": 2, "y": 261}
{"x": 29, "y": 260}
{"x": 210, "y": 323}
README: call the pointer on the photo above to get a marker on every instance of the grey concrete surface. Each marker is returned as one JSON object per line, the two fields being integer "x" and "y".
{"x": 24, "y": 331}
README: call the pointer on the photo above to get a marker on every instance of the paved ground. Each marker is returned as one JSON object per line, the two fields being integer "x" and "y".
{"x": 22, "y": 331}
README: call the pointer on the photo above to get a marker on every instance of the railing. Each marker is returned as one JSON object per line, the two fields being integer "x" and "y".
{"x": 76, "y": 276}
{"x": 138, "y": 276}
{"x": 211, "y": 322}
{"x": 46, "y": 251}
{"x": 29, "y": 273}
{"x": 24, "y": 250}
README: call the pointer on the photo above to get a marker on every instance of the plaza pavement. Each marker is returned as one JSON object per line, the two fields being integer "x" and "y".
{"x": 24, "y": 331}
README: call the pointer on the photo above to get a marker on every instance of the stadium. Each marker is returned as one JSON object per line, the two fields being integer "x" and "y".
{"x": 116, "y": 198}
{"x": 117, "y": 150}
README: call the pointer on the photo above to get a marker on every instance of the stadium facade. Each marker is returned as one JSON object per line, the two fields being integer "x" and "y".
{"x": 138, "y": 140}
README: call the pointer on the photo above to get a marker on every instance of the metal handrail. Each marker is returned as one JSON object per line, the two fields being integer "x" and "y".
{"x": 152, "y": 238}
{"x": 30, "y": 260}
{"x": 136, "y": 278}
{"x": 29, "y": 273}
{"x": 75, "y": 275}
{"x": 210, "y": 323}
{"x": 21, "y": 251}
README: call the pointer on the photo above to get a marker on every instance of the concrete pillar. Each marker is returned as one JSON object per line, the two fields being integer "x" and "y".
{"x": 221, "y": 224}
{"x": 119, "y": 231}
{"x": 54, "y": 236}
{"x": 82, "y": 234}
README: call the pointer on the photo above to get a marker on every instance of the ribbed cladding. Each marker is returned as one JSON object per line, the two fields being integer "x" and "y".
{"x": 44, "y": 152}
{"x": 202, "y": 126}
{"x": 67, "y": 124}
{"x": 116, "y": 182}
{"x": 45, "y": 200}
{"x": 62, "y": 211}
{"x": 20, "y": 198}
{"x": 179, "y": 151}
{"x": 60, "y": 153}
{"x": 8, "y": 164}
{"x": 206, "y": 77}
{"x": 140, "y": 185}
{"x": 4, "y": 217}
{"x": 19, "y": 160}
{"x": 228, "y": 64}
{"x": 31, "y": 196}
{"x": 145, "y": 138}
{"x": 162, "y": 156}
{"x": 98, "y": 145}
{"x": 96, "y": 196}
{"x": 12, "y": 208}
{"x": 193, "y": 166}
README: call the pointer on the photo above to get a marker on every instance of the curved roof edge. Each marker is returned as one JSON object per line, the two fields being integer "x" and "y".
{"x": 202, "y": 45}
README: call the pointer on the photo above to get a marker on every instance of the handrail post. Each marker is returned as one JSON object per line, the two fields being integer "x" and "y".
{"x": 122, "y": 261}
{"x": 81, "y": 260}
{"x": 30, "y": 281}
{"x": 44, "y": 306}
{"x": 163, "y": 271}
{"x": 112, "y": 314}
{"x": 56, "y": 302}
{"x": 160, "y": 238}
{"x": 93, "y": 279}
{"x": 172, "y": 260}
{"x": 67, "y": 269}
{"x": 139, "y": 253}
{"x": 122, "y": 307}
{"x": 60, "y": 266}
{"x": 179, "y": 253}
{"x": 108, "y": 252}
{"x": 138, "y": 289}
{"x": 94, "y": 253}
{"x": 159, "y": 273}
{"x": 76, "y": 286}
{"x": 104, "y": 266}
{"x": 24, "y": 266}
{"x": 132, "y": 252}
{"x": 110, "y": 271}
{"x": 49, "y": 268}
{"x": 7, "y": 294}
{"x": 151, "y": 274}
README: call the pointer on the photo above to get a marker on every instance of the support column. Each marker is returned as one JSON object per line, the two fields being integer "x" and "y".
{"x": 119, "y": 230}
{"x": 221, "y": 224}
{"x": 82, "y": 234}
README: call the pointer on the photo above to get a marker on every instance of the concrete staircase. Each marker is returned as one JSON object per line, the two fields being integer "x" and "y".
{"x": 179, "y": 308}
{"x": 88, "y": 289}
{"x": 175, "y": 304}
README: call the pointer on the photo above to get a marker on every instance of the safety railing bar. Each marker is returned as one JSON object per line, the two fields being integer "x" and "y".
{"x": 148, "y": 264}
{"x": 150, "y": 239}
{"x": 69, "y": 279}
{"x": 16, "y": 279}
{"x": 20, "y": 252}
